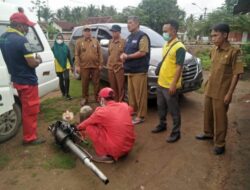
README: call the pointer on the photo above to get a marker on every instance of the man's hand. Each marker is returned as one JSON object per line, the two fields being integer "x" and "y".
{"x": 172, "y": 89}
{"x": 123, "y": 56}
{"x": 38, "y": 58}
{"x": 227, "y": 99}
{"x": 78, "y": 69}
{"x": 100, "y": 67}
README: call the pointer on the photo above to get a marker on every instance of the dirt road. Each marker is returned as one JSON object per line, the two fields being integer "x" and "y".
{"x": 153, "y": 164}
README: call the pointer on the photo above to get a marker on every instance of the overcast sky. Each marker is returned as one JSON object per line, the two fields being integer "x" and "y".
{"x": 186, "y": 5}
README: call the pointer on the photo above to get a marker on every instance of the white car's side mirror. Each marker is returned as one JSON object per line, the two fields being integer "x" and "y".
{"x": 104, "y": 42}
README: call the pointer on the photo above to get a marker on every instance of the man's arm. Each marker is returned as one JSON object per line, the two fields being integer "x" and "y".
{"x": 229, "y": 95}
{"x": 93, "y": 120}
{"x": 237, "y": 67}
{"x": 143, "y": 50}
{"x": 180, "y": 58}
{"x": 26, "y": 50}
{"x": 100, "y": 55}
{"x": 77, "y": 56}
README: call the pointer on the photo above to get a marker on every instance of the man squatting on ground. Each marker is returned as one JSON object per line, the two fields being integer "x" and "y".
{"x": 110, "y": 128}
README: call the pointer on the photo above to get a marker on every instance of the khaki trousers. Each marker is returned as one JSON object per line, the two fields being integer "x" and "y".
{"x": 116, "y": 81}
{"x": 88, "y": 74}
{"x": 137, "y": 93}
{"x": 215, "y": 120}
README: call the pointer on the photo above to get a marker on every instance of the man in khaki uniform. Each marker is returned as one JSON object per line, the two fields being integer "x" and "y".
{"x": 136, "y": 58}
{"x": 225, "y": 71}
{"x": 88, "y": 60}
{"x": 115, "y": 64}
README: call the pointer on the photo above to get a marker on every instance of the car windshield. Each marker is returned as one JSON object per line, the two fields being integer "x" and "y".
{"x": 155, "y": 38}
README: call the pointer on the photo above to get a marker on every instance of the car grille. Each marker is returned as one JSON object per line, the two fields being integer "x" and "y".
{"x": 189, "y": 72}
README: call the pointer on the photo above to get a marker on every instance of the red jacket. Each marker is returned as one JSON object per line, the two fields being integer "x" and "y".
{"x": 111, "y": 129}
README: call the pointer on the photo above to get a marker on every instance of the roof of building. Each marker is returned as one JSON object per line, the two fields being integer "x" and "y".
{"x": 65, "y": 25}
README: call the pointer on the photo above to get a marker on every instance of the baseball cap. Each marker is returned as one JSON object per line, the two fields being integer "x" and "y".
{"x": 21, "y": 18}
{"x": 106, "y": 93}
{"x": 115, "y": 28}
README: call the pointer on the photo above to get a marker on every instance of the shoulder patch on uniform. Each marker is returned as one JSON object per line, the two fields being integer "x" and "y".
{"x": 27, "y": 46}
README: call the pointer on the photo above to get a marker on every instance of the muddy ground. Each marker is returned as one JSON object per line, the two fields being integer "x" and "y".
{"x": 153, "y": 164}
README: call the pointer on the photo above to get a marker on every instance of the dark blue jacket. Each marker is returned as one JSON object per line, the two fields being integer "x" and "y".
{"x": 139, "y": 65}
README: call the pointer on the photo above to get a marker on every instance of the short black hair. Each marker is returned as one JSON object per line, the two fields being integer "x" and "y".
{"x": 134, "y": 18}
{"x": 221, "y": 27}
{"x": 174, "y": 24}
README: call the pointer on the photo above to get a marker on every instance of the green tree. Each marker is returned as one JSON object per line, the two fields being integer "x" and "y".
{"x": 92, "y": 11}
{"x": 155, "y": 13}
{"x": 59, "y": 14}
{"x": 47, "y": 14}
{"x": 66, "y": 14}
{"x": 38, "y": 5}
{"x": 78, "y": 14}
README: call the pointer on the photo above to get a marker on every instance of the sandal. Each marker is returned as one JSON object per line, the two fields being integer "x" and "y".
{"x": 137, "y": 120}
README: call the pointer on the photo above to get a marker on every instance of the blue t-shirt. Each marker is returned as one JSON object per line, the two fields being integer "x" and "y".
{"x": 15, "y": 47}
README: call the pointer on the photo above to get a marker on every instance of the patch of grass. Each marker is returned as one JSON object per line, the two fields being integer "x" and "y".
{"x": 60, "y": 161}
{"x": 4, "y": 160}
{"x": 205, "y": 59}
{"x": 53, "y": 108}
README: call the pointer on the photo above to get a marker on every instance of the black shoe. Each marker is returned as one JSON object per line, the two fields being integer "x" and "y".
{"x": 34, "y": 142}
{"x": 68, "y": 97}
{"x": 159, "y": 128}
{"x": 203, "y": 137}
{"x": 219, "y": 150}
{"x": 174, "y": 137}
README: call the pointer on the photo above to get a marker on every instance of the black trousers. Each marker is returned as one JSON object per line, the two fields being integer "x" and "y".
{"x": 64, "y": 82}
{"x": 169, "y": 103}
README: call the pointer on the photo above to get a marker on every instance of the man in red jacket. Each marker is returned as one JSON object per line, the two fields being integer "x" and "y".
{"x": 110, "y": 128}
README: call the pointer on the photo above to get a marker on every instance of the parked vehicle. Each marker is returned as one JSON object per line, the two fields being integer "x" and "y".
{"x": 192, "y": 72}
{"x": 10, "y": 107}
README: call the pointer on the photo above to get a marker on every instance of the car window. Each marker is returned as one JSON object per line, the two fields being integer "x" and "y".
{"x": 155, "y": 38}
{"x": 102, "y": 34}
{"x": 34, "y": 40}
{"x": 31, "y": 36}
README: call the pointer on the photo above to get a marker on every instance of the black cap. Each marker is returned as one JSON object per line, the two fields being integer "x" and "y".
{"x": 115, "y": 28}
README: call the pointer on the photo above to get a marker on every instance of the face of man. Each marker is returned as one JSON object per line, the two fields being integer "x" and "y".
{"x": 133, "y": 26}
{"x": 167, "y": 28}
{"x": 115, "y": 35}
{"x": 218, "y": 38}
{"x": 87, "y": 33}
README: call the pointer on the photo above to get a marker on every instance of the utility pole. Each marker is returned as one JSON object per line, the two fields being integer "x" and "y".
{"x": 204, "y": 11}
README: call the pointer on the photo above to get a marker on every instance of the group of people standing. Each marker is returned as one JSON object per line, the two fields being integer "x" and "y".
{"x": 130, "y": 57}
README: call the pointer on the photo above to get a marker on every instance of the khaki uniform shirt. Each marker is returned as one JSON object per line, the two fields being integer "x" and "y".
{"x": 226, "y": 62}
{"x": 88, "y": 53}
{"x": 116, "y": 48}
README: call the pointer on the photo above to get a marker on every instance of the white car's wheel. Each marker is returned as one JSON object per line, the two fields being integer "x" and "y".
{"x": 10, "y": 123}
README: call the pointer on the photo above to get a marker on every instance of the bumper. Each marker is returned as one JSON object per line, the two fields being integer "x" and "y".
{"x": 187, "y": 86}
